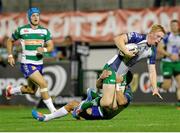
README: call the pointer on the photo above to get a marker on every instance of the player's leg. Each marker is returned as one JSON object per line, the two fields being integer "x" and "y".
{"x": 177, "y": 78}
{"x": 38, "y": 79}
{"x": 121, "y": 89}
{"x": 166, "y": 84}
{"x": 115, "y": 104}
{"x": 87, "y": 104}
{"x": 108, "y": 89}
{"x": 121, "y": 99}
{"x": 92, "y": 94}
{"x": 128, "y": 94}
{"x": 31, "y": 88}
{"x": 93, "y": 99}
{"x": 63, "y": 111}
{"x": 167, "y": 72}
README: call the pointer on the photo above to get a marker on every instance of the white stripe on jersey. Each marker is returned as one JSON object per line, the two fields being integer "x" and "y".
{"x": 32, "y": 31}
{"x": 30, "y": 52}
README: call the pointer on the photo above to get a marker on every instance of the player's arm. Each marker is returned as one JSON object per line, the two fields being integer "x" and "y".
{"x": 9, "y": 45}
{"x": 99, "y": 81}
{"x": 49, "y": 42}
{"x": 10, "y": 41}
{"x": 162, "y": 51}
{"x": 120, "y": 42}
{"x": 153, "y": 79}
{"x": 152, "y": 72}
{"x": 49, "y": 48}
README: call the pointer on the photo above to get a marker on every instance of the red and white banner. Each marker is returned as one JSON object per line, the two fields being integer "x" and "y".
{"x": 98, "y": 26}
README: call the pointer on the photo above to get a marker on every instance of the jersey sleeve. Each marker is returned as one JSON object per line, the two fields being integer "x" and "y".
{"x": 134, "y": 37}
{"x": 152, "y": 58}
{"x": 165, "y": 39}
{"x": 16, "y": 34}
{"x": 48, "y": 36}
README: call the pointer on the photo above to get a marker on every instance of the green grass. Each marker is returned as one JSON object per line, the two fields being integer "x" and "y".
{"x": 150, "y": 118}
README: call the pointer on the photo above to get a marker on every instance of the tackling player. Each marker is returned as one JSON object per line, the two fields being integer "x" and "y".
{"x": 90, "y": 108}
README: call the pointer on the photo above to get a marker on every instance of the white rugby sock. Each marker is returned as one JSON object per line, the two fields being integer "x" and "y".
{"x": 16, "y": 90}
{"x": 58, "y": 113}
{"x": 50, "y": 105}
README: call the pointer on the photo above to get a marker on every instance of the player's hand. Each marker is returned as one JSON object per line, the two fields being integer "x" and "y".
{"x": 129, "y": 53}
{"x": 11, "y": 61}
{"x": 40, "y": 50}
{"x": 105, "y": 74}
{"x": 156, "y": 93}
{"x": 119, "y": 78}
{"x": 174, "y": 57}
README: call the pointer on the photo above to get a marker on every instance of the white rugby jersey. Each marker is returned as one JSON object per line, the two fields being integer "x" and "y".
{"x": 121, "y": 64}
{"x": 172, "y": 45}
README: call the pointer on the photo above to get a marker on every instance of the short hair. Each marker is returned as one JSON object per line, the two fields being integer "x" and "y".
{"x": 174, "y": 21}
{"x": 157, "y": 28}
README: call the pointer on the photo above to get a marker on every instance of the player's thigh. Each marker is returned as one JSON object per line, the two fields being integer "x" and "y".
{"x": 38, "y": 79}
{"x": 108, "y": 93}
{"x": 114, "y": 105}
{"x": 177, "y": 77}
{"x": 177, "y": 72}
{"x": 32, "y": 84}
{"x": 166, "y": 69}
{"x": 108, "y": 88}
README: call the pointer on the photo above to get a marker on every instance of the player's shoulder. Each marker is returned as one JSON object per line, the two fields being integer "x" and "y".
{"x": 21, "y": 27}
{"x": 168, "y": 34}
{"x": 24, "y": 26}
{"x": 136, "y": 35}
{"x": 42, "y": 27}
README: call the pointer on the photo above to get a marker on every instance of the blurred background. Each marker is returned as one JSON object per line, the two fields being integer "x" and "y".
{"x": 83, "y": 31}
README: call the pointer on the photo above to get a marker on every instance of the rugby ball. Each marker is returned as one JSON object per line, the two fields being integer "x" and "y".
{"x": 131, "y": 47}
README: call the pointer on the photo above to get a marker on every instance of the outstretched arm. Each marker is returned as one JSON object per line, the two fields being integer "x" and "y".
{"x": 153, "y": 79}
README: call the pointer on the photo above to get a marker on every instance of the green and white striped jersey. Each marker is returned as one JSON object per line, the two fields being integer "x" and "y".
{"x": 30, "y": 40}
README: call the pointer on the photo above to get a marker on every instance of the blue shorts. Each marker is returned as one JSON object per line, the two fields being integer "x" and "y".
{"x": 28, "y": 69}
{"x": 96, "y": 112}
{"x": 95, "y": 115}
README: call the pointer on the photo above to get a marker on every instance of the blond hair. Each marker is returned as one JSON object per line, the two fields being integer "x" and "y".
{"x": 157, "y": 28}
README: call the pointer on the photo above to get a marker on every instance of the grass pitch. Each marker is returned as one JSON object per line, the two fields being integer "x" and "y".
{"x": 146, "y": 118}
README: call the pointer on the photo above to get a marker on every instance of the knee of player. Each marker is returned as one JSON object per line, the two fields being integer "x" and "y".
{"x": 123, "y": 101}
{"x": 106, "y": 103}
{"x": 43, "y": 85}
{"x": 167, "y": 86}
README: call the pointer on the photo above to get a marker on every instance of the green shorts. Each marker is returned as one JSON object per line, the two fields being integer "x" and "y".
{"x": 169, "y": 69}
{"x": 112, "y": 78}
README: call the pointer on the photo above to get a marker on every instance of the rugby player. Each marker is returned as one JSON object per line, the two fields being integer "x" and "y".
{"x": 120, "y": 65}
{"x": 33, "y": 38}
